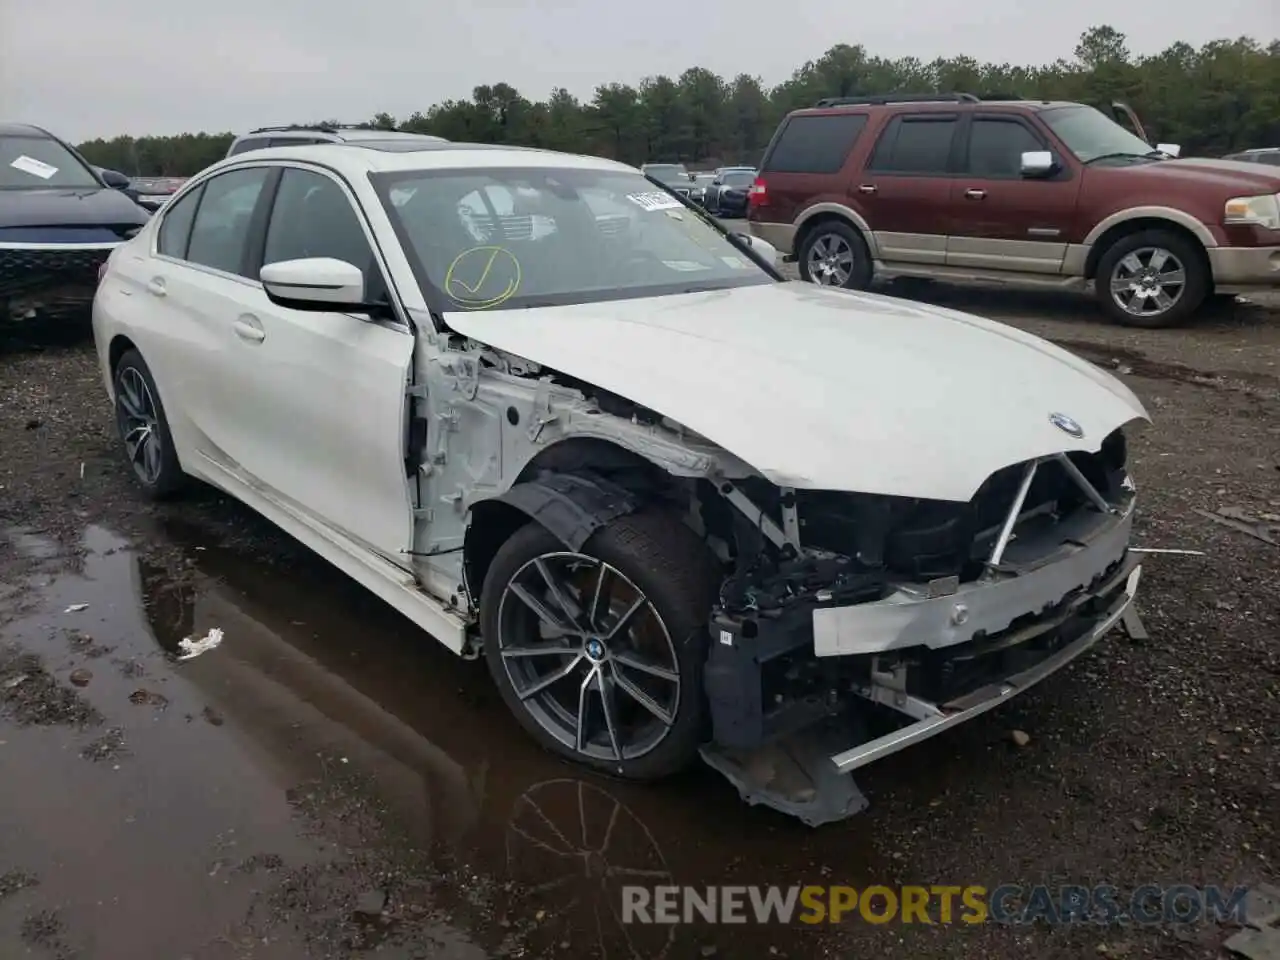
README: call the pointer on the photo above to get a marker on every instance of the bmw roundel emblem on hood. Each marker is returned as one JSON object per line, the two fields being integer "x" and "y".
{"x": 1066, "y": 425}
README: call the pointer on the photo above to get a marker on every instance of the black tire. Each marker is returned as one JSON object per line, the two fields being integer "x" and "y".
{"x": 167, "y": 478}
{"x": 840, "y": 235}
{"x": 1196, "y": 285}
{"x": 674, "y": 571}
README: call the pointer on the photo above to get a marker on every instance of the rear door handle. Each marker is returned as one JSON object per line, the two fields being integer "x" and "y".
{"x": 973, "y": 193}
{"x": 155, "y": 286}
{"x": 867, "y": 188}
{"x": 248, "y": 328}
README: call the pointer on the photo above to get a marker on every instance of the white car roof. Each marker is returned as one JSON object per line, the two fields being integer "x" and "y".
{"x": 356, "y": 159}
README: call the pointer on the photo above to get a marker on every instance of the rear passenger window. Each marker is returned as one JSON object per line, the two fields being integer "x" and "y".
{"x": 815, "y": 144}
{"x": 996, "y": 147}
{"x": 175, "y": 228}
{"x": 220, "y": 236}
{"x": 914, "y": 144}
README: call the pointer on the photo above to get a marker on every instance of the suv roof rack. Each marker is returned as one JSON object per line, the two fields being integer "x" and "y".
{"x": 880, "y": 99}
{"x": 997, "y": 97}
{"x": 319, "y": 127}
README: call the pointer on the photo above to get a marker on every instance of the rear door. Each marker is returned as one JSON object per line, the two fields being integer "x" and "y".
{"x": 803, "y": 166}
{"x": 904, "y": 190}
{"x": 999, "y": 219}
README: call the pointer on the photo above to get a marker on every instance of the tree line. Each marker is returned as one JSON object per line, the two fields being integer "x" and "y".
{"x": 1223, "y": 96}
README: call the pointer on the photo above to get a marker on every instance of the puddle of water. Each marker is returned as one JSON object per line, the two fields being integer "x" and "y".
{"x": 316, "y": 681}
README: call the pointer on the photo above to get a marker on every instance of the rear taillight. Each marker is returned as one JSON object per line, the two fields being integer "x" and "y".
{"x": 758, "y": 195}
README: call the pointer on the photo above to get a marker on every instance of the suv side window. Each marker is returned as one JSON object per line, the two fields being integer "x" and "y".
{"x": 996, "y": 147}
{"x": 175, "y": 228}
{"x": 313, "y": 217}
{"x": 250, "y": 143}
{"x": 294, "y": 141}
{"x": 915, "y": 143}
{"x": 220, "y": 236}
{"x": 814, "y": 143}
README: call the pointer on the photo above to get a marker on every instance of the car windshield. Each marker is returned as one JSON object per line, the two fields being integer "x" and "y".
{"x": 508, "y": 238}
{"x": 667, "y": 172}
{"x": 739, "y": 178}
{"x": 1090, "y": 134}
{"x": 41, "y": 162}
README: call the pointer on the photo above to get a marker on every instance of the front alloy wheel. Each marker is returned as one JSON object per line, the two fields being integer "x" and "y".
{"x": 588, "y": 655}
{"x": 1148, "y": 282}
{"x": 599, "y": 651}
{"x": 1155, "y": 278}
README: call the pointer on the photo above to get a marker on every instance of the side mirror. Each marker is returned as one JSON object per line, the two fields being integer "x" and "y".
{"x": 1037, "y": 163}
{"x": 114, "y": 179}
{"x": 316, "y": 284}
{"x": 1169, "y": 149}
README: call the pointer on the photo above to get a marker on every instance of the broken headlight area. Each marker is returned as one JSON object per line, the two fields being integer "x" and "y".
{"x": 897, "y": 617}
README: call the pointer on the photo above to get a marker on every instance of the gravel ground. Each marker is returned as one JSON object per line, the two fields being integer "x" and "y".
{"x": 325, "y": 784}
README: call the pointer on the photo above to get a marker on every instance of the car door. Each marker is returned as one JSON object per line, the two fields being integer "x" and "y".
{"x": 195, "y": 286}
{"x": 318, "y": 399}
{"x": 905, "y": 186}
{"x": 1000, "y": 219}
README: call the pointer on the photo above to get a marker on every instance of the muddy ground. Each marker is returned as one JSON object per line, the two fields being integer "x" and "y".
{"x": 329, "y": 783}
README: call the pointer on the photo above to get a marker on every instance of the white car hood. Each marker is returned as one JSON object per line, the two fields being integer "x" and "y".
{"x": 826, "y": 389}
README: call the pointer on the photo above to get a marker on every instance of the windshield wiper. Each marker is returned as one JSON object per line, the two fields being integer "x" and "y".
{"x": 1116, "y": 156}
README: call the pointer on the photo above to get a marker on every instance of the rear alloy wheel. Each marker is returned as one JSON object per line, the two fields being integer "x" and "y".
{"x": 599, "y": 652}
{"x": 140, "y": 418}
{"x": 833, "y": 254}
{"x": 1152, "y": 279}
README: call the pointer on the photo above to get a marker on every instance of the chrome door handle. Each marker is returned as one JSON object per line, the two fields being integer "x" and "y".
{"x": 155, "y": 286}
{"x": 867, "y": 188}
{"x": 247, "y": 328}
{"x": 973, "y": 193}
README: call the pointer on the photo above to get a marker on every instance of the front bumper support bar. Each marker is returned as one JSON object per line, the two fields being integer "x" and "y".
{"x": 933, "y": 719}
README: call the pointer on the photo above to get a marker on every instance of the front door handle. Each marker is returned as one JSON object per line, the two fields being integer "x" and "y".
{"x": 155, "y": 286}
{"x": 248, "y": 328}
{"x": 973, "y": 193}
{"x": 867, "y": 188}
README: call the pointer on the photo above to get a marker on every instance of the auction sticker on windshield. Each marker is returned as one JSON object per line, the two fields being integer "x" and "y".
{"x": 34, "y": 167}
{"x": 654, "y": 201}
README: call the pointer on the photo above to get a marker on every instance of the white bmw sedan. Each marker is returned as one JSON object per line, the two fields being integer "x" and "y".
{"x": 562, "y": 420}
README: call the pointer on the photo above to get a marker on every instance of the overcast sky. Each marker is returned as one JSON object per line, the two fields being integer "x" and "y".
{"x": 86, "y": 68}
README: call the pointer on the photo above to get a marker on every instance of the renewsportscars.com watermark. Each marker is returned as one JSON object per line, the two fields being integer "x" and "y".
{"x": 972, "y": 904}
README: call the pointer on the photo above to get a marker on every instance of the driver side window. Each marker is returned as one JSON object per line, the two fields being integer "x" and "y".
{"x": 313, "y": 217}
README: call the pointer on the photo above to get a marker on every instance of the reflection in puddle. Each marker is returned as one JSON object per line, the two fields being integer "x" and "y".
{"x": 318, "y": 688}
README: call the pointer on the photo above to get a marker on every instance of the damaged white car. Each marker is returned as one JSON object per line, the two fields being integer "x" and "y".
{"x": 561, "y": 420}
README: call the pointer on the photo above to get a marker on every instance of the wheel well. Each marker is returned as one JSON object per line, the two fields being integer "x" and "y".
{"x": 493, "y": 522}
{"x": 1137, "y": 225}
{"x": 120, "y": 345}
{"x": 813, "y": 223}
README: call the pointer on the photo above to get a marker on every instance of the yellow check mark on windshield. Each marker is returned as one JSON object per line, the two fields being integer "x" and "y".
{"x": 484, "y": 275}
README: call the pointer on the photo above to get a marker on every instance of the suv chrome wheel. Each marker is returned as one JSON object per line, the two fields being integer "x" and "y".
{"x": 1148, "y": 282}
{"x": 588, "y": 656}
{"x": 830, "y": 260}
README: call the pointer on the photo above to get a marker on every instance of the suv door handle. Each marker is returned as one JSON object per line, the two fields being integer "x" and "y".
{"x": 155, "y": 286}
{"x": 867, "y": 188}
{"x": 973, "y": 193}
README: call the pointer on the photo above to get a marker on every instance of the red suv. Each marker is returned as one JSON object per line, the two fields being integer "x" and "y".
{"x": 1014, "y": 192}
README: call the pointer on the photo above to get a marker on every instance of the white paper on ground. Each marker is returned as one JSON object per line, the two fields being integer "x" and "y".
{"x": 193, "y": 648}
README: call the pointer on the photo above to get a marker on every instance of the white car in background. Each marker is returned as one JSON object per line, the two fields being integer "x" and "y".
{"x": 562, "y": 420}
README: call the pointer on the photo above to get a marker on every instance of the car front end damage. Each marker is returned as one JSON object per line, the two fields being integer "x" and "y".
{"x": 855, "y": 626}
